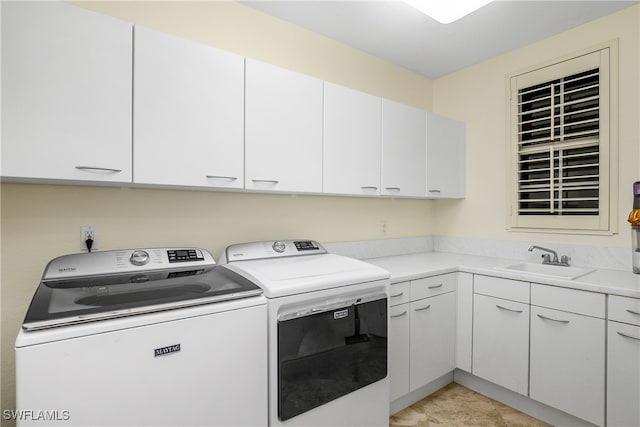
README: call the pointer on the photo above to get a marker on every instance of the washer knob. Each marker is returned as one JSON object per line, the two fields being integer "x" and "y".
{"x": 279, "y": 247}
{"x": 139, "y": 257}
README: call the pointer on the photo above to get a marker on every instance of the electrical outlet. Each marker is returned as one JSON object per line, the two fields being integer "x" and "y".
{"x": 87, "y": 231}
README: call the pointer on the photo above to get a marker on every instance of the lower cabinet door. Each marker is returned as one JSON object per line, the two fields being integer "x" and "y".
{"x": 568, "y": 362}
{"x": 399, "y": 351}
{"x": 501, "y": 342}
{"x": 433, "y": 331}
{"x": 623, "y": 375}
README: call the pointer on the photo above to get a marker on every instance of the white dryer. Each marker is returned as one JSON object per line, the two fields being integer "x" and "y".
{"x": 153, "y": 337}
{"x": 327, "y": 333}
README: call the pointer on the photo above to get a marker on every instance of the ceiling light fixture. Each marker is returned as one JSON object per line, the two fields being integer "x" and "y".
{"x": 447, "y": 11}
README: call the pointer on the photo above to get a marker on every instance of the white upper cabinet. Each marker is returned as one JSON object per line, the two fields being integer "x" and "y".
{"x": 66, "y": 93}
{"x": 445, "y": 157}
{"x": 403, "y": 150}
{"x": 283, "y": 130}
{"x": 188, "y": 113}
{"x": 352, "y": 138}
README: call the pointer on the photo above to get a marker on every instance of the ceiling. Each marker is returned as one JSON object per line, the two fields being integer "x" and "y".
{"x": 397, "y": 33}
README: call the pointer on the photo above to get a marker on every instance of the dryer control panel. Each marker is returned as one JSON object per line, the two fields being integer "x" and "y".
{"x": 271, "y": 249}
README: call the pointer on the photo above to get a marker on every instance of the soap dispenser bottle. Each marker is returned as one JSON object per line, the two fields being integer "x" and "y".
{"x": 634, "y": 219}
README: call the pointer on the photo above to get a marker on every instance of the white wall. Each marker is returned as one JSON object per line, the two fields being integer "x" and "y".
{"x": 478, "y": 96}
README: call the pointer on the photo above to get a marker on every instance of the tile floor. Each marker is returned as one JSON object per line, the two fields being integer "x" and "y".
{"x": 457, "y": 406}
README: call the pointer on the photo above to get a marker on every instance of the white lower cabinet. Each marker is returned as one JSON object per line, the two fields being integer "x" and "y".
{"x": 464, "y": 321}
{"x": 433, "y": 328}
{"x": 501, "y": 342}
{"x": 623, "y": 362}
{"x": 422, "y": 332}
{"x": 567, "y": 368}
{"x": 399, "y": 339}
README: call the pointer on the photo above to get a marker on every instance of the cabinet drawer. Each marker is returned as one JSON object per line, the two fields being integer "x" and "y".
{"x": 624, "y": 309}
{"x": 514, "y": 290}
{"x": 571, "y": 300}
{"x": 430, "y": 286}
{"x": 400, "y": 293}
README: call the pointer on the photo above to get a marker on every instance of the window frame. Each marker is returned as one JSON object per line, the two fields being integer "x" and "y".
{"x": 606, "y": 222}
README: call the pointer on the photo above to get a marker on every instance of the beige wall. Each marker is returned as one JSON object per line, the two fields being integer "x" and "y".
{"x": 477, "y": 96}
{"x": 40, "y": 222}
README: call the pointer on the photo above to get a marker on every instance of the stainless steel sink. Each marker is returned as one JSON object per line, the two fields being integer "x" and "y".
{"x": 546, "y": 270}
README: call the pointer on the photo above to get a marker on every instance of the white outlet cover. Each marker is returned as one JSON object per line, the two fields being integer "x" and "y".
{"x": 88, "y": 230}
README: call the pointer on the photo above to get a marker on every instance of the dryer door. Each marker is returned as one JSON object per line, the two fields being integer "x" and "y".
{"x": 324, "y": 355}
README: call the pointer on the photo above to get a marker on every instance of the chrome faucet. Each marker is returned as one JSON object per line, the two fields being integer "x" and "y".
{"x": 546, "y": 258}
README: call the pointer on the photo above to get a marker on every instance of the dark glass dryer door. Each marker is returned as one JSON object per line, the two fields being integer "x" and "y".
{"x": 329, "y": 354}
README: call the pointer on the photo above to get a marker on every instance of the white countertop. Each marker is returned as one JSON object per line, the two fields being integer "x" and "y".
{"x": 414, "y": 266}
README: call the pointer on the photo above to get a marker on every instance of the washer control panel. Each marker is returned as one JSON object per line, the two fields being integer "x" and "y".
{"x": 184, "y": 255}
{"x": 126, "y": 260}
{"x": 271, "y": 249}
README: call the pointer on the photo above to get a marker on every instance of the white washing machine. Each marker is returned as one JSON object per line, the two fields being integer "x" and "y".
{"x": 327, "y": 333}
{"x": 153, "y": 337}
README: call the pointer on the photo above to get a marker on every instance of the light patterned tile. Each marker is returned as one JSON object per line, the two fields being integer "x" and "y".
{"x": 457, "y": 406}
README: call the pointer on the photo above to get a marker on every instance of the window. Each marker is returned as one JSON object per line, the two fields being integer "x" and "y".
{"x": 561, "y": 145}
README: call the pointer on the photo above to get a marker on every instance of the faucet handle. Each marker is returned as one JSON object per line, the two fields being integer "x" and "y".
{"x": 546, "y": 258}
{"x": 565, "y": 260}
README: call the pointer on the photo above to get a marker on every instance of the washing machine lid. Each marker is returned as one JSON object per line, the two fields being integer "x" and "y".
{"x": 295, "y": 271}
{"x": 83, "y": 288}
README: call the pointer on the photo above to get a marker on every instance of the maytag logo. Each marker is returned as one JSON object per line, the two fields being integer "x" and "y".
{"x": 66, "y": 269}
{"x": 340, "y": 314}
{"x": 162, "y": 351}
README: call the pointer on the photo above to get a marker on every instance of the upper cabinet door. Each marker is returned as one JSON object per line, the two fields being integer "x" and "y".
{"x": 66, "y": 93}
{"x": 403, "y": 150}
{"x": 188, "y": 113}
{"x": 352, "y": 138}
{"x": 445, "y": 157}
{"x": 283, "y": 130}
